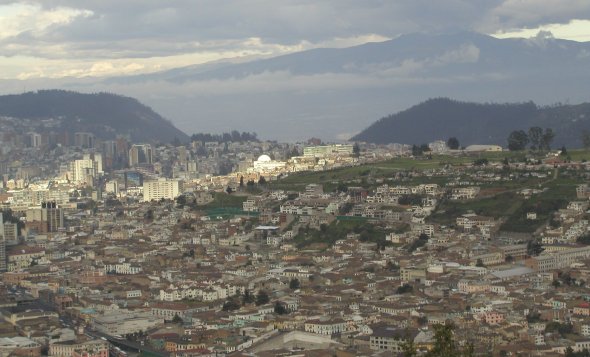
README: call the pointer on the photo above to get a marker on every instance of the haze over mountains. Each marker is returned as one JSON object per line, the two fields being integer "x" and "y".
{"x": 335, "y": 93}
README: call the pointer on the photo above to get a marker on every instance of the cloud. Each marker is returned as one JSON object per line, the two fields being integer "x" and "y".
{"x": 467, "y": 53}
{"x": 519, "y": 14}
{"x": 175, "y": 33}
{"x": 17, "y": 19}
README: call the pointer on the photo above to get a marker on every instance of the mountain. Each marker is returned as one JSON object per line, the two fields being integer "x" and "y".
{"x": 475, "y": 123}
{"x": 104, "y": 114}
{"x": 333, "y": 93}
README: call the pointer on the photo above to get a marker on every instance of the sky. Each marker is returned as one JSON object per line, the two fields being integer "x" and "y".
{"x": 101, "y": 38}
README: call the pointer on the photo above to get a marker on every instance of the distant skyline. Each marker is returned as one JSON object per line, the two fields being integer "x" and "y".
{"x": 101, "y": 38}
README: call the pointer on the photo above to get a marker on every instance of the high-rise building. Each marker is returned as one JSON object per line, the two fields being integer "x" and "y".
{"x": 2, "y": 246}
{"x": 140, "y": 154}
{"x": 84, "y": 140}
{"x": 10, "y": 233}
{"x": 35, "y": 140}
{"x": 112, "y": 187}
{"x": 96, "y": 157}
{"x": 83, "y": 171}
{"x": 45, "y": 219}
{"x": 183, "y": 154}
{"x": 161, "y": 189}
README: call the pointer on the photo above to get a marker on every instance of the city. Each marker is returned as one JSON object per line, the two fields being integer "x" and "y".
{"x": 261, "y": 248}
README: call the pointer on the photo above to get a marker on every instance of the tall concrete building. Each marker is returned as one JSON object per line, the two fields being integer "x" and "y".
{"x": 2, "y": 246}
{"x": 45, "y": 219}
{"x": 161, "y": 188}
{"x": 96, "y": 158}
{"x": 83, "y": 171}
{"x": 140, "y": 154}
{"x": 10, "y": 231}
{"x": 84, "y": 140}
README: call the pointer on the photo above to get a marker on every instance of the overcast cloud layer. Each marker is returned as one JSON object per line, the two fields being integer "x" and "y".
{"x": 57, "y": 38}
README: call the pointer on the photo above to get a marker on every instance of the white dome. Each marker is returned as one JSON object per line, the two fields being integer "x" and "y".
{"x": 264, "y": 158}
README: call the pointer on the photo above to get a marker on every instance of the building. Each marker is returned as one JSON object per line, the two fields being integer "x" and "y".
{"x": 473, "y": 148}
{"x": 97, "y": 160}
{"x": 264, "y": 164}
{"x": 162, "y": 189}
{"x": 2, "y": 247}
{"x": 390, "y": 338}
{"x": 83, "y": 171}
{"x": 84, "y": 140}
{"x": 45, "y": 219}
{"x": 140, "y": 154}
{"x": 328, "y": 150}
{"x": 19, "y": 346}
{"x": 112, "y": 187}
{"x": 99, "y": 348}
{"x": 122, "y": 322}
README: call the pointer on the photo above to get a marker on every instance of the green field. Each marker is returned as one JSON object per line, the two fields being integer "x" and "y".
{"x": 579, "y": 155}
{"x": 356, "y": 174}
{"x": 338, "y": 229}
{"x": 513, "y": 207}
{"x": 223, "y": 200}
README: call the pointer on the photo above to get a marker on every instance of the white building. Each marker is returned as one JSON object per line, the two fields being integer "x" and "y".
{"x": 265, "y": 164}
{"x": 123, "y": 322}
{"x": 161, "y": 189}
{"x": 83, "y": 171}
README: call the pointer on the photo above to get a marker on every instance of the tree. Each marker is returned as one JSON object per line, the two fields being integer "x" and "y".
{"x": 403, "y": 289}
{"x": 444, "y": 344}
{"x": 294, "y": 152}
{"x": 294, "y": 284}
{"x": 453, "y": 143}
{"x": 181, "y": 201}
{"x": 149, "y": 215}
{"x": 231, "y": 305}
{"x": 517, "y": 140}
{"x": 481, "y": 162}
{"x": 177, "y": 319}
{"x": 586, "y": 139}
{"x": 535, "y": 135}
{"x": 280, "y": 309}
{"x": 261, "y": 180}
{"x": 408, "y": 347}
{"x": 420, "y": 242}
{"x": 356, "y": 150}
{"x": 241, "y": 181}
{"x": 262, "y": 298}
{"x": 546, "y": 139}
{"x": 229, "y": 190}
{"x": 563, "y": 151}
{"x": 479, "y": 263}
{"x": 416, "y": 150}
{"x": 247, "y": 298}
{"x": 534, "y": 248}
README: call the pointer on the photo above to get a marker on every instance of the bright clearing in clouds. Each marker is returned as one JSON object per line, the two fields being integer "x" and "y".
{"x": 575, "y": 30}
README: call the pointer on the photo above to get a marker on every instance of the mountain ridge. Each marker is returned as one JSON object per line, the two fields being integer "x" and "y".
{"x": 477, "y": 123}
{"x": 104, "y": 114}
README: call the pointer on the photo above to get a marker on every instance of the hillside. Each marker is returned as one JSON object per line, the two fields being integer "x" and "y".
{"x": 104, "y": 114}
{"x": 475, "y": 123}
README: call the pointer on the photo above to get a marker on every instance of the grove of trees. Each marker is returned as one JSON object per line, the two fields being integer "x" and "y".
{"x": 538, "y": 139}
